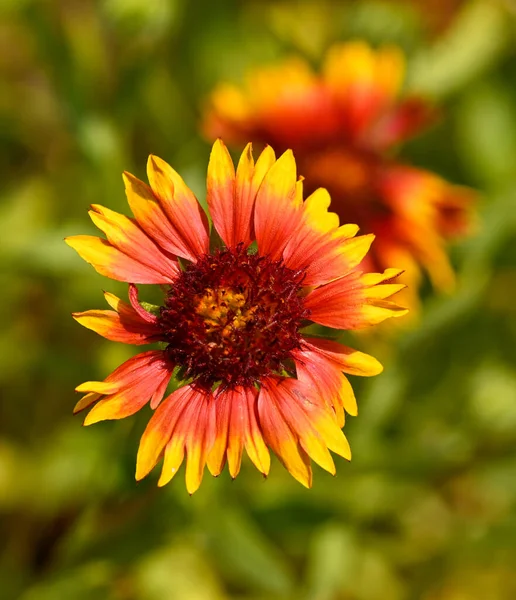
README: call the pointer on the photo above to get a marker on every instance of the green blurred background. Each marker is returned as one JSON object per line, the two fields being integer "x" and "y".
{"x": 427, "y": 507}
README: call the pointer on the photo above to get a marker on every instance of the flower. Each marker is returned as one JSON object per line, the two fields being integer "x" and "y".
{"x": 234, "y": 319}
{"x": 343, "y": 125}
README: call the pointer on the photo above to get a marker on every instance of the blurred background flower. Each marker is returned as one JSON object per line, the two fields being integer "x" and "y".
{"x": 343, "y": 125}
{"x": 427, "y": 507}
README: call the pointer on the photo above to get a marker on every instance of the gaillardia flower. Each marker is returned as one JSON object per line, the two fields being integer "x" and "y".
{"x": 234, "y": 322}
{"x": 343, "y": 125}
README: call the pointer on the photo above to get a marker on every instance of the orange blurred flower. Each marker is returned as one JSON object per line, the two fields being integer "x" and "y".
{"x": 234, "y": 317}
{"x": 343, "y": 125}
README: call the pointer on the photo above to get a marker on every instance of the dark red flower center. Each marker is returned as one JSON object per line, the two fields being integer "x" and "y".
{"x": 233, "y": 318}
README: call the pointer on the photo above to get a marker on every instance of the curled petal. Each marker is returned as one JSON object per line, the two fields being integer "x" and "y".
{"x": 139, "y": 380}
{"x": 123, "y": 324}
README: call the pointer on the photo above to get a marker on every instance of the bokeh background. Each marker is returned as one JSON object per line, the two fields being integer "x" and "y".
{"x": 427, "y": 508}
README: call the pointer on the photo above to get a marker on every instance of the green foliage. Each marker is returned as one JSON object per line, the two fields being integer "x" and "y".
{"x": 427, "y": 507}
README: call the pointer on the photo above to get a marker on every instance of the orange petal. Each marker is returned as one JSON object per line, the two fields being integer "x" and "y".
{"x": 121, "y": 325}
{"x": 180, "y": 206}
{"x": 326, "y": 378}
{"x": 199, "y": 438}
{"x": 279, "y": 436}
{"x": 125, "y": 235}
{"x": 237, "y": 428}
{"x": 249, "y": 177}
{"x": 159, "y": 430}
{"x": 85, "y": 402}
{"x": 217, "y": 456}
{"x": 221, "y": 193}
{"x": 277, "y": 210}
{"x": 344, "y": 358}
{"x": 140, "y": 379}
{"x": 319, "y": 246}
{"x": 183, "y": 425}
{"x": 113, "y": 263}
{"x": 314, "y": 426}
{"x": 152, "y": 218}
{"x": 350, "y": 303}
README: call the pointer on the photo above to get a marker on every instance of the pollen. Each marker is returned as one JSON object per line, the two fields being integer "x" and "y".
{"x": 233, "y": 317}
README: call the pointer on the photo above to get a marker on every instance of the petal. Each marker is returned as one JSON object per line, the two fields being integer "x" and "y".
{"x": 183, "y": 424}
{"x": 125, "y": 235}
{"x": 85, "y": 402}
{"x": 346, "y": 359}
{"x": 180, "y": 206}
{"x": 99, "y": 387}
{"x": 280, "y": 437}
{"x": 158, "y": 432}
{"x": 120, "y": 325}
{"x": 315, "y": 426}
{"x": 217, "y": 457}
{"x": 326, "y": 378}
{"x": 113, "y": 263}
{"x": 277, "y": 209}
{"x": 199, "y": 438}
{"x": 364, "y": 81}
{"x": 221, "y": 193}
{"x": 140, "y": 379}
{"x": 249, "y": 177}
{"x": 231, "y": 197}
{"x": 319, "y": 246}
{"x": 351, "y": 303}
{"x": 152, "y": 218}
{"x": 237, "y": 428}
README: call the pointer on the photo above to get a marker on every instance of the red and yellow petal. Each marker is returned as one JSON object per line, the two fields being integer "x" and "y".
{"x": 111, "y": 262}
{"x": 124, "y": 234}
{"x": 220, "y": 185}
{"x": 280, "y": 438}
{"x": 297, "y": 427}
{"x": 363, "y": 81}
{"x": 277, "y": 208}
{"x": 183, "y": 425}
{"x": 326, "y": 378}
{"x": 181, "y": 208}
{"x": 123, "y": 324}
{"x": 231, "y": 196}
{"x": 322, "y": 248}
{"x": 355, "y": 301}
{"x": 140, "y": 379}
{"x": 348, "y": 360}
{"x": 249, "y": 177}
{"x": 150, "y": 215}
{"x": 237, "y": 428}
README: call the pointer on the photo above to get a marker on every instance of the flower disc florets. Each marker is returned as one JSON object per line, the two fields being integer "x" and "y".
{"x": 233, "y": 318}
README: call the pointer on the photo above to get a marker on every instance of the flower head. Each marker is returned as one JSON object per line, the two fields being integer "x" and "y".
{"x": 343, "y": 124}
{"x": 234, "y": 318}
